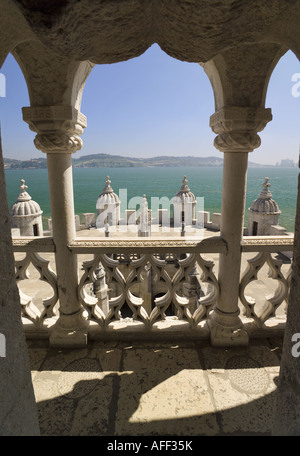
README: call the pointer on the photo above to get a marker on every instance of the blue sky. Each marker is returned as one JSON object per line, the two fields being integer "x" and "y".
{"x": 155, "y": 105}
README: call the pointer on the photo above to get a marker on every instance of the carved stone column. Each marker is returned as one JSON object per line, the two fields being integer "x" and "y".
{"x": 58, "y": 129}
{"x": 237, "y": 129}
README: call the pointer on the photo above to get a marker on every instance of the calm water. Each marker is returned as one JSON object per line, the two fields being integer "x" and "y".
{"x": 158, "y": 182}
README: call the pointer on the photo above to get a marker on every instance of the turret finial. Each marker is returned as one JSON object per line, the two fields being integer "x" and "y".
{"x": 265, "y": 193}
{"x": 184, "y": 188}
{"x": 107, "y": 188}
{"x": 23, "y": 187}
{"x": 23, "y": 196}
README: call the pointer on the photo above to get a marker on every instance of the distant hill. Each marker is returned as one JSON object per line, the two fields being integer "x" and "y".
{"x": 117, "y": 161}
{"x": 112, "y": 161}
{"x": 34, "y": 163}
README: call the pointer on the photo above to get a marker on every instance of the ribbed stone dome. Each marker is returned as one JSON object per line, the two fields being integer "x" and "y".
{"x": 265, "y": 203}
{"x": 184, "y": 195}
{"x": 108, "y": 196}
{"x": 25, "y": 206}
{"x": 261, "y": 205}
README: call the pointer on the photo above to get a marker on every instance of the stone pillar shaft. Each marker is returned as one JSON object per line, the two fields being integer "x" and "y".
{"x": 237, "y": 129}
{"x": 63, "y": 226}
{"x": 58, "y": 129}
{"x": 233, "y": 209}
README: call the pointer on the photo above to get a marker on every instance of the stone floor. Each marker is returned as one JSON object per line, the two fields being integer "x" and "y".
{"x": 155, "y": 389}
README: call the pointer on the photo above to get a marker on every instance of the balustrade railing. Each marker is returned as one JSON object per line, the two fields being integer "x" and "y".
{"x": 275, "y": 255}
{"x": 154, "y": 287}
{"x": 30, "y": 268}
{"x": 29, "y": 309}
{"x": 148, "y": 288}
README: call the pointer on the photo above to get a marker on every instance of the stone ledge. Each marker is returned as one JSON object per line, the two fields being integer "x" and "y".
{"x": 33, "y": 244}
{"x": 267, "y": 243}
{"x": 86, "y": 245}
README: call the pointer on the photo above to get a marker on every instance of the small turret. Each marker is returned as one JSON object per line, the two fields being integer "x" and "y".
{"x": 26, "y": 214}
{"x": 184, "y": 203}
{"x": 263, "y": 212}
{"x": 108, "y": 206}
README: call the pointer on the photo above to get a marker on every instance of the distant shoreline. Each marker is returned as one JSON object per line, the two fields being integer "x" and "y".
{"x": 152, "y": 166}
{"x": 117, "y": 161}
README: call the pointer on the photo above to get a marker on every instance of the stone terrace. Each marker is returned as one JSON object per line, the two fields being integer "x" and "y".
{"x": 155, "y": 389}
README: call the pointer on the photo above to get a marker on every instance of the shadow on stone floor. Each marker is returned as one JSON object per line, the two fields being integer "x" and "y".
{"x": 60, "y": 418}
{"x": 156, "y": 389}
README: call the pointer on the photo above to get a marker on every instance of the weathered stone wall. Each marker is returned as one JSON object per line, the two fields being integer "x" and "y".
{"x": 264, "y": 222}
{"x": 107, "y": 32}
{"x": 18, "y": 415}
{"x": 26, "y": 223}
{"x": 287, "y": 418}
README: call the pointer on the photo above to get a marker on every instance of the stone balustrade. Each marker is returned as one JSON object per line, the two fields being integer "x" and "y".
{"x": 153, "y": 288}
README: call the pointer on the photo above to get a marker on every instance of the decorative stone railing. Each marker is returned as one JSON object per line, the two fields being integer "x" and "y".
{"x": 152, "y": 288}
{"x": 148, "y": 287}
{"x": 36, "y": 320}
{"x": 259, "y": 319}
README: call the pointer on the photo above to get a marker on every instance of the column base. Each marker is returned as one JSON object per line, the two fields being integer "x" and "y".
{"x": 144, "y": 233}
{"x": 226, "y": 329}
{"x": 70, "y": 331}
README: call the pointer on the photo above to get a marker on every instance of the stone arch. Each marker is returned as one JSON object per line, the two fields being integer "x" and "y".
{"x": 15, "y": 30}
{"x": 51, "y": 79}
{"x": 63, "y": 43}
{"x": 194, "y": 31}
{"x": 240, "y": 75}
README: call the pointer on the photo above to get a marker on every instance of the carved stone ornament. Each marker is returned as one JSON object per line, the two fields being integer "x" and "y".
{"x": 272, "y": 300}
{"x": 57, "y": 127}
{"x": 129, "y": 289}
{"x": 237, "y": 128}
{"x": 54, "y": 142}
{"x": 236, "y": 140}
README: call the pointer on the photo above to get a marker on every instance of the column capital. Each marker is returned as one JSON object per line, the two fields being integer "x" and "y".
{"x": 237, "y": 127}
{"x": 58, "y": 128}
